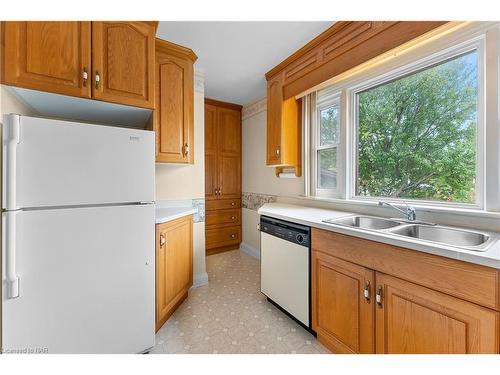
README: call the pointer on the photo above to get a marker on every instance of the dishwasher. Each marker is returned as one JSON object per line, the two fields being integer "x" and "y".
{"x": 285, "y": 267}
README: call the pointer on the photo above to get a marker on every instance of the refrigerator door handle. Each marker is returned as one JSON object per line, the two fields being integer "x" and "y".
{"x": 11, "y": 276}
{"x": 11, "y": 136}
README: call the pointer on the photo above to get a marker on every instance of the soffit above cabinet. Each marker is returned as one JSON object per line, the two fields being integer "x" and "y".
{"x": 57, "y": 106}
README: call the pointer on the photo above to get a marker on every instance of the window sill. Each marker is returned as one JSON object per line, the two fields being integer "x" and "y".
{"x": 347, "y": 204}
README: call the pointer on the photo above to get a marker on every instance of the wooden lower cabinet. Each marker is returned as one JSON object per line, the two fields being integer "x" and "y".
{"x": 359, "y": 309}
{"x": 220, "y": 239}
{"x": 412, "y": 319}
{"x": 341, "y": 314}
{"x": 174, "y": 266}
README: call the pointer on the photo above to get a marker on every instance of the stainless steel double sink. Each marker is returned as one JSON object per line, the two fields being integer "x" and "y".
{"x": 437, "y": 234}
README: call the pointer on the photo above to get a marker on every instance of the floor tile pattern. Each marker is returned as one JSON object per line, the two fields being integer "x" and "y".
{"x": 231, "y": 316}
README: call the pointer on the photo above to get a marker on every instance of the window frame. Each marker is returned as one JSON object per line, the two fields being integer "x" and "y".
{"x": 332, "y": 99}
{"x": 425, "y": 62}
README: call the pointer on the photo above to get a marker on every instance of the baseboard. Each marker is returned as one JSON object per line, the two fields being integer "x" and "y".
{"x": 250, "y": 250}
{"x": 200, "y": 279}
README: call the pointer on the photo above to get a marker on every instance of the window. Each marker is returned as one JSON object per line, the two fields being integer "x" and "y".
{"x": 416, "y": 134}
{"x": 326, "y": 146}
{"x": 419, "y": 126}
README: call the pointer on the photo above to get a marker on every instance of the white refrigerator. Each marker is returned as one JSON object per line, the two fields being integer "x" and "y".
{"x": 77, "y": 237}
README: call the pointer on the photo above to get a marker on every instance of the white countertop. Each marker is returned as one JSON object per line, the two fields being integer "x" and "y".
{"x": 164, "y": 214}
{"x": 313, "y": 217}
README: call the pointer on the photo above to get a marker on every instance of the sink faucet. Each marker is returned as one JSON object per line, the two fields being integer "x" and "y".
{"x": 409, "y": 212}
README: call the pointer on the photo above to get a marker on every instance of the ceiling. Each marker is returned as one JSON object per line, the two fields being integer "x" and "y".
{"x": 234, "y": 56}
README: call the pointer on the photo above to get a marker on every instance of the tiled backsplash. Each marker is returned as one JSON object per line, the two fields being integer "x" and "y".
{"x": 254, "y": 201}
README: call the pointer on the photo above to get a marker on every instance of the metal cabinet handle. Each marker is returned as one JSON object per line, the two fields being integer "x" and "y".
{"x": 97, "y": 79}
{"x": 85, "y": 76}
{"x": 277, "y": 151}
{"x": 233, "y": 217}
{"x": 366, "y": 292}
{"x": 186, "y": 150}
{"x": 163, "y": 240}
{"x": 233, "y": 235}
{"x": 378, "y": 296}
{"x": 233, "y": 203}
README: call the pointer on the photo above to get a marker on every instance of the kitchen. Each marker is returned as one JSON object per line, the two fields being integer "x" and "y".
{"x": 337, "y": 195}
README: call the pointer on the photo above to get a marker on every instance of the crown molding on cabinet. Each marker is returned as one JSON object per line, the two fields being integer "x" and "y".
{"x": 219, "y": 103}
{"x": 175, "y": 49}
{"x": 341, "y": 47}
{"x": 254, "y": 108}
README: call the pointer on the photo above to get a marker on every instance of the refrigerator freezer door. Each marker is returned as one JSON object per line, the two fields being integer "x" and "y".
{"x": 48, "y": 163}
{"x": 86, "y": 281}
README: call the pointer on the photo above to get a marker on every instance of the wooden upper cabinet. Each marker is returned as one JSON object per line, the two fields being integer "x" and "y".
{"x": 412, "y": 319}
{"x": 222, "y": 150}
{"x": 229, "y": 152}
{"x": 174, "y": 108}
{"x": 123, "y": 62}
{"x": 284, "y": 124}
{"x": 211, "y": 177}
{"x": 342, "y": 316}
{"x": 274, "y": 106}
{"x": 47, "y": 56}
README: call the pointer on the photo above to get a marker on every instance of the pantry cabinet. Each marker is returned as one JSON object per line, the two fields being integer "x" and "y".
{"x": 174, "y": 266}
{"x": 222, "y": 175}
{"x": 47, "y": 56}
{"x": 110, "y": 61}
{"x": 369, "y": 297}
{"x": 174, "y": 108}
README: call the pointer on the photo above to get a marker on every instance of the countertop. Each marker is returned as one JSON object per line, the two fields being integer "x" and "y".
{"x": 313, "y": 217}
{"x": 164, "y": 214}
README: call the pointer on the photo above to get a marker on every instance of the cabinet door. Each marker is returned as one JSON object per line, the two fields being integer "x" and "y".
{"x": 47, "y": 56}
{"x": 123, "y": 62}
{"x": 229, "y": 152}
{"x": 174, "y": 109}
{"x": 174, "y": 266}
{"x": 342, "y": 316}
{"x": 411, "y": 319}
{"x": 211, "y": 171}
{"x": 274, "y": 109}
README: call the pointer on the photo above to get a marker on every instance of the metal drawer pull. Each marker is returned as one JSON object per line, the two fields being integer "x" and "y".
{"x": 163, "y": 240}
{"x": 233, "y": 235}
{"x": 378, "y": 296}
{"x": 366, "y": 292}
{"x": 85, "y": 76}
{"x": 233, "y": 217}
{"x": 233, "y": 203}
{"x": 97, "y": 79}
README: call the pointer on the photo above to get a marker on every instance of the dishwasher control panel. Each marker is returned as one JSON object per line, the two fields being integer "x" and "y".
{"x": 292, "y": 232}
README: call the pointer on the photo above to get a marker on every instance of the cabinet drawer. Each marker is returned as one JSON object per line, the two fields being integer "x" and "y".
{"x": 218, "y": 237}
{"x": 220, "y": 204}
{"x": 223, "y": 217}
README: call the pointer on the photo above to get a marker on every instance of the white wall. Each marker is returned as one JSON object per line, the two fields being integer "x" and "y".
{"x": 256, "y": 176}
{"x": 181, "y": 182}
{"x": 9, "y": 103}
